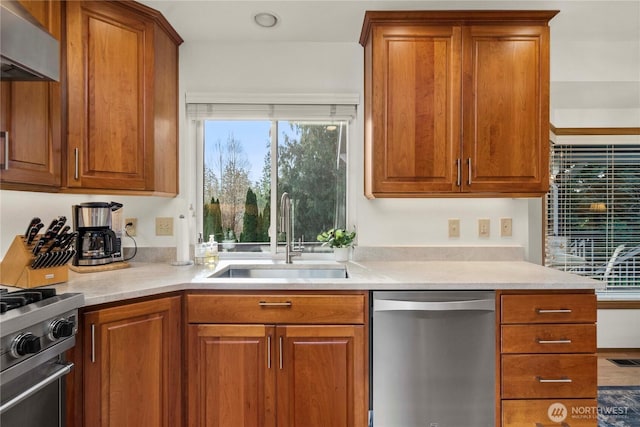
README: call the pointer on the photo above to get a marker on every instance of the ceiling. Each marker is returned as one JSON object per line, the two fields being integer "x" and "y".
{"x": 607, "y": 26}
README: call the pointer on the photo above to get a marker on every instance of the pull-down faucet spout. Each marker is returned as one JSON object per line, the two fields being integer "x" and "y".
{"x": 285, "y": 227}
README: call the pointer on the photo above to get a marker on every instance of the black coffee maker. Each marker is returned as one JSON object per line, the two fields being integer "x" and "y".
{"x": 98, "y": 243}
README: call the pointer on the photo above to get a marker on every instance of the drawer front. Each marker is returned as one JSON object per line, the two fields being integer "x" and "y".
{"x": 549, "y": 308}
{"x": 531, "y": 413}
{"x": 563, "y": 338}
{"x": 549, "y": 376}
{"x": 275, "y": 308}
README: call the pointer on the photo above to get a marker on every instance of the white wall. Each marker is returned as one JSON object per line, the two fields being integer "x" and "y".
{"x": 619, "y": 328}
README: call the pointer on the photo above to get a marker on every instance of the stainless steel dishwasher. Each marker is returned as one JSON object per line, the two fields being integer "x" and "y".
{"x": 433, "y": 359}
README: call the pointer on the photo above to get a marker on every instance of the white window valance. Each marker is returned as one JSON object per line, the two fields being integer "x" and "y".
{"x": 202, "y": 106}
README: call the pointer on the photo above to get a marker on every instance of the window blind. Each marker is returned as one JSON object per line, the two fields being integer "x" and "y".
{"x": 271, "y": 107}
{"x": 593, "y": 211}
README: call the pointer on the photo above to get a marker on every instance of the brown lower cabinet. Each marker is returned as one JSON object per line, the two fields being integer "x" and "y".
{"x": 277, "y": 374}
{"x": 547, "y": 355}
{"x": 131, "y": 365}
{"x": 289, "y": 359}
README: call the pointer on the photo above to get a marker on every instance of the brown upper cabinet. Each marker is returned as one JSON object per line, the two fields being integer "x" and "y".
{"x": 30, "y": 120}
{"x": 122, "y": 67}
{"x": 456, "y": 103}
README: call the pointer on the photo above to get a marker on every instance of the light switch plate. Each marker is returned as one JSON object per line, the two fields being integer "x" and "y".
{"x": 454, "y": 227}
{"x": 164, "y": 226}
{"x": 484, "y": 227}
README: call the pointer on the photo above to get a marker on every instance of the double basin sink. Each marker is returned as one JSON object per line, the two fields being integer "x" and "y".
{"x": 292, "y": 271}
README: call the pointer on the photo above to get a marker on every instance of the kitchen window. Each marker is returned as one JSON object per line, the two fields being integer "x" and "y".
{"x": 593, "y": 211}
{"x": 250, "y": 153}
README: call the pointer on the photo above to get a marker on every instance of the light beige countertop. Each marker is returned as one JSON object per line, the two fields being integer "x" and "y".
{"x": 145, "y": 279}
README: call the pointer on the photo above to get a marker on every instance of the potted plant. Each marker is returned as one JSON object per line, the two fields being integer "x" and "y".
{"x": 340, "y": 240}
{"x": 229, "y": 240}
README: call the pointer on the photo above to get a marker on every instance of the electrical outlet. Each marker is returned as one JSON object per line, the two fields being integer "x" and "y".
{"x": 454, "y": 227}
{"x": 506, "y": 227}
{"x": 484, "y": 227}
{"x": 164, "y": 226}
{"x": 133, "y": 228}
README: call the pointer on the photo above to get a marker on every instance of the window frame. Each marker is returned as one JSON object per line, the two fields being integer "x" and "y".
{"x": 296, "y": 107}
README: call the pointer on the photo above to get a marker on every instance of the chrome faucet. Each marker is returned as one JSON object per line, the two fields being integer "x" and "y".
{"x": 285, "y": 226}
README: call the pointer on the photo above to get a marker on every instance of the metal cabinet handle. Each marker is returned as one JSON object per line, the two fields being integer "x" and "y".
{"x": 5, "y": 135}
{"x": 93, "y": 343}
{"x": 561, "y": 425}
{"x": 563, "y": 341}
{"x": 547, "y": 311}
{"x": 458, "y": 172}
{"x": 465, "y": 305}
{"x": 281, "y": 358}
{"x": 275, "y": 304}
{"x": 469, "y": 171}
{"x": 554, "y": 380}
{"x": 64, "y": 370}
{"x": 76, "y": 172}
{"x": 269, "y": 351}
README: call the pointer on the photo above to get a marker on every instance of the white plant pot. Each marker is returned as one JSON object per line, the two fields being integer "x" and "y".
{"x": 341, "y": 254}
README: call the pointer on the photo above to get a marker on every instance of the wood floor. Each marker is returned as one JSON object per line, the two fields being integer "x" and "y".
{"x": 610, "y": 374}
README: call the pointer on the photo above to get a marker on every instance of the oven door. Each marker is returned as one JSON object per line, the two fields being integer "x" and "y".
{"x": 36, "y": 397}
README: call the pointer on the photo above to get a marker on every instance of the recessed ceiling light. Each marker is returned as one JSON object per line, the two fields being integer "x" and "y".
{"x": 266, "y": 19}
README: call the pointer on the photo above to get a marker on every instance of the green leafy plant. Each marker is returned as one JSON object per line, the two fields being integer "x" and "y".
{"x": 337, "y": 238}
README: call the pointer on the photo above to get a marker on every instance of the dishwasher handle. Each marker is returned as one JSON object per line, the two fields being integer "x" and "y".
{"x": 464, "y": 305}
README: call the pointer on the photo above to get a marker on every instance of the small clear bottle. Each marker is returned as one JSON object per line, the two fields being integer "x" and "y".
{"x": 200, "y": 251}
{"x": 211, "y": 255}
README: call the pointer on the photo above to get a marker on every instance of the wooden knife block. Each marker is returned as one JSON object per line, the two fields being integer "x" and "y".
{"x": 15, "y": 268}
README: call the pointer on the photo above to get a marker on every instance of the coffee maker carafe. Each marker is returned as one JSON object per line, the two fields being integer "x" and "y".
{"x": 97, "y": 243}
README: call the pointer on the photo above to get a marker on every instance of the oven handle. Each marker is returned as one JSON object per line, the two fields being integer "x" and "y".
{"x": 64, "y": 370}
{"x": 403, "y": 305}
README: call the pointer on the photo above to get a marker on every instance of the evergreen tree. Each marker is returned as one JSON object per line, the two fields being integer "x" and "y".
{"x": 250, "y": 218}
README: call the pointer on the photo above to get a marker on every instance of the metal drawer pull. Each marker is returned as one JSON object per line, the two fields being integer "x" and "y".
{"x": 559, "y": 310}
{"x": 554, "y": 380}
{"x": 459, "y": 172}
{"x": 269, "y": 351}
{"x": 275, "y": 304}
{"x": 565, "y": 341}
{"x": 281, "y": 359}
{"x": 61, "y": 372}
{"x": 469, "y": 171}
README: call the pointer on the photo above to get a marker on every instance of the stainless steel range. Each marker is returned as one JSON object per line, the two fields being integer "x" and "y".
{"x": 37, "y": 326}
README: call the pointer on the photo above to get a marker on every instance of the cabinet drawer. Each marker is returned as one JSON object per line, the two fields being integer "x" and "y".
{"x": 549, "y": 376}
{"x": 549, "y": 308}
{"x": 276, "y": 308}
{"x": 579, "y": 338}
{"x": 528, "y": 413}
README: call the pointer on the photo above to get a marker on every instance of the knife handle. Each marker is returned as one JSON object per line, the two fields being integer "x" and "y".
{"x": 38, "y": 246}
{"x": 33, "y": 222}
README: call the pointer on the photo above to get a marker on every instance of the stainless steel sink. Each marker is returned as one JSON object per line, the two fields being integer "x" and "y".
{"x": 270, "y": 272}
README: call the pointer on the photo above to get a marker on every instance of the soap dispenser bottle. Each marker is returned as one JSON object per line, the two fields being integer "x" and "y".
{"x": 212, "y": 251}
{"x": 200, "y": 251}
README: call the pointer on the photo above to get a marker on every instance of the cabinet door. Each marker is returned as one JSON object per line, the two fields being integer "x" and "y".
{"x": 231, "y": 378}
{"x": 132, "y": 365}
{"x": 413, "y": 110}
{"x": 30, "y": 119}
{"x": 506, "y": 108}
{"x": 321, "y": 379}
{"x": 110, "y": 63}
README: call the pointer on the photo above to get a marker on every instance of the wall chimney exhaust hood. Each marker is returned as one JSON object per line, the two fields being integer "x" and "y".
{"x": 27, "y": 50}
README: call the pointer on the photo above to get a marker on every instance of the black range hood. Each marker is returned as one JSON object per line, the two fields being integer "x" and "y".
{"x": 27, "y": 50}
